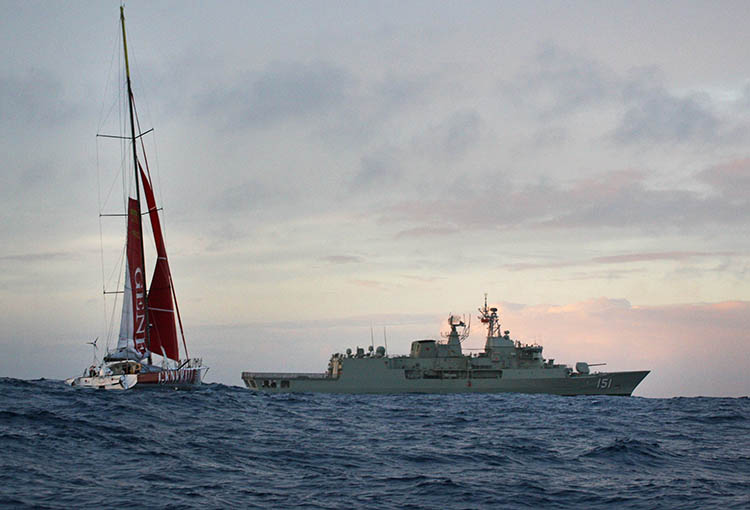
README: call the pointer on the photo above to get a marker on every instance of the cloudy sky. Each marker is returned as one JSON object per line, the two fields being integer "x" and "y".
{"x": 325, "y": 166}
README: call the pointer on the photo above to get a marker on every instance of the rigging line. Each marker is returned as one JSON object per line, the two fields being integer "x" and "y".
{"x": 158, "y": 178}
{"x": 114, "y": 304}
{"x": 117, "y": 270}
{"x": 148, "y": 169}
{"x": 115, "y": 48}
{"x": 112, "y": 185}
{"x": 101, "y": 235}
{"x": 143, "y": 146}
{"x": 177, "y": 308}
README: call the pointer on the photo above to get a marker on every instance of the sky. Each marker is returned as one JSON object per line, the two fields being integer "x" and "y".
{"x": 328, "y": 169}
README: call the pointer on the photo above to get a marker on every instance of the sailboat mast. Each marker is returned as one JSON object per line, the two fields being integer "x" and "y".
{"x": 135, "y": 169}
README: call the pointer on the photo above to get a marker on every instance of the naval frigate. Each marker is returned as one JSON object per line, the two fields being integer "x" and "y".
{"x": 432, "y": 366}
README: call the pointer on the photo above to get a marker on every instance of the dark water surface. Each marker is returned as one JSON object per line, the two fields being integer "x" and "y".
{"x": 222, "y": 446}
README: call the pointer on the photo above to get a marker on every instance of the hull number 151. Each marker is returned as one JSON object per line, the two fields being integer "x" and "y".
{"x": 604, "y": 383}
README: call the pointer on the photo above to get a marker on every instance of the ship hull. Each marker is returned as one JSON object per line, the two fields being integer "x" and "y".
{"x": 605, "y": 383}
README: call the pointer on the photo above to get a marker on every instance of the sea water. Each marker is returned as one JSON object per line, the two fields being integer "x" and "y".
{"x": 221, "y": 446}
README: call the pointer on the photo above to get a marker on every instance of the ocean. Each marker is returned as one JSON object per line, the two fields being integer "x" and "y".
{"x": 223, "y": 446}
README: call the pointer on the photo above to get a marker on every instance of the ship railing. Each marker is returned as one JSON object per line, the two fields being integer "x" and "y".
{"x": 284, "y": 375}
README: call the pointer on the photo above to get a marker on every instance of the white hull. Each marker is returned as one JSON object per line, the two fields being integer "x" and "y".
{"x": 104, "y": 382}
{"x": 183, "y": 378}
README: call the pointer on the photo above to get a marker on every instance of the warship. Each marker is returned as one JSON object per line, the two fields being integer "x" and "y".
{"x": 432, "y": 366}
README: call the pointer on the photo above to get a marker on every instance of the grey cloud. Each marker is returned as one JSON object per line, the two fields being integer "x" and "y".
{"x": 613, "y": 200}
{"x": 374, "y": 107}
{"x": 36, "y": 257}
{"x": 427, "y": 231}
{"x": 744, "y": 101}
{"x": 654, "y": 115}
{"x": 378, "y": 169}
{"x": 559, "y": 82}
{"x": 397, "y": 92}
{"x": 245, "y": 196}
{"x": 452, "y": 138}
{"x": 282, "y": 91}
{"x": 731, "y": 180}
{"x": 33, "y": 98}
{"x": 343, "y": 259}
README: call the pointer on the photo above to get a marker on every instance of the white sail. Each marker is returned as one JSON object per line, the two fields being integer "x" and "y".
{"x": 125, "y": 339}
{"x": 125, "y": 343}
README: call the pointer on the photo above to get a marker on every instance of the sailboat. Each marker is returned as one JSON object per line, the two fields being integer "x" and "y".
{"x": 150, "y": 315}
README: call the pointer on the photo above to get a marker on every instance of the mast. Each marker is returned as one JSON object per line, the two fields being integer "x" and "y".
{"x": 135, "y": 170}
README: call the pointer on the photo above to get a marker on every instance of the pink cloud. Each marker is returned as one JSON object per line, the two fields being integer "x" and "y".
{"x": 648, "y": 257}
{"x": 426, "y": 231}
{"x": 621, "y": 259}
{"x": 368, "y": 283}
{"x": 732, "y": 179}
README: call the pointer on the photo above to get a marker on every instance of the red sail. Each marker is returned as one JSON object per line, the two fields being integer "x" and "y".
{"x": 163, "y": 334}
{"x": 137, "y": 276}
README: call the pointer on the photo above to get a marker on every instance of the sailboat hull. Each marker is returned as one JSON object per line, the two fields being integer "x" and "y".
{"x": 180, "y": 378}
{"x": 104, "y": 382}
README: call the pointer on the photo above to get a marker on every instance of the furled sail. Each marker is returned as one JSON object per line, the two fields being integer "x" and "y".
{"x": 163, "y": 334}
{"x": 131, "y": 343}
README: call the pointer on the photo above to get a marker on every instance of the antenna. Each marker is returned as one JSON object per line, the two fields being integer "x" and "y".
{"x": 372, "y": 337}
{"x": 467, "y": 329}
{"x": 385, "y": 341}
{"x": 455, "y": 322}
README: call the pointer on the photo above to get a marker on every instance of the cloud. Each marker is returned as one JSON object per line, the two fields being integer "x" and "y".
{"x": 35, "y": 98}
{"x": 343, "y": 259}
{"x": 730, "y": 180}
{"x": 377, "y": 170}
{"x": 283, "y": 91}
{"x": 244, "y": 196}
{"x": 620, "y": 199}
{"x": 649, "y": 257}
{"x": 427, "y": 231}
{"x": 452, "y": 138}
{"x": 558, "y": 83}
{"x": 370, "y": 284}
{"x": 654, "y": 115}
{"x": 37, "y": 257}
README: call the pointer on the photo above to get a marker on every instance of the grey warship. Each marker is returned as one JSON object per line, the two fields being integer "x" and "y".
{"x": 432, "y": 366}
